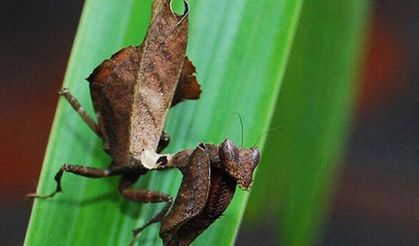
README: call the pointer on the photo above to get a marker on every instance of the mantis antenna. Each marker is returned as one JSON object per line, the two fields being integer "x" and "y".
{"x": 242, "y": 129}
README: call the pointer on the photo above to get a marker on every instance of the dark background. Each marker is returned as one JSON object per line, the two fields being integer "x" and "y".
{"x": 377, "y": 199}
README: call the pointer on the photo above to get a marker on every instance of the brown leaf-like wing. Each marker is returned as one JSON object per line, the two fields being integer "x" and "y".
{"x": 164, "y": 50}
{"x": 221, "y": 193}
{"x": 192, "y": 195}
{"x": 188, "y": 86}
{"x": 133, "y": 91}
{"x": 112, "y": 90}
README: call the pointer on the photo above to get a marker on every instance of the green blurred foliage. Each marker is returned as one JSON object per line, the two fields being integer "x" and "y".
{"x": 304, "y": 149}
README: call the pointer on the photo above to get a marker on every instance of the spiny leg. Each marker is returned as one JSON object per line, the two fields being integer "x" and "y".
{"x": 91, "y": 123}
{"x": 89, "y": 172}
{"x": 145, "y": 196}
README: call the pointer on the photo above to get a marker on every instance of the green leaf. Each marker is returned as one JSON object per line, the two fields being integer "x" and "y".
{"x": 240, "y": 50}
{"x": 301, "y": 158}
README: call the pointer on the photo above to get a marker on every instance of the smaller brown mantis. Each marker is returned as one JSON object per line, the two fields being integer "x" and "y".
{"x": 210, "y": 175}
{"x": 131, "y": 94}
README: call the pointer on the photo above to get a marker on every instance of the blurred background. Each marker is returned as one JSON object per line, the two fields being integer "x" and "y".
{"x": 376, "y": 198}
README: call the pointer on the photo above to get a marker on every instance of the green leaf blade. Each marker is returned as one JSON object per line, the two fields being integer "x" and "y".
{"x": 240, "y": 71}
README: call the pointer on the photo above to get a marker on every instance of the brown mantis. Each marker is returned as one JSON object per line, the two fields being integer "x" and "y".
{"x": 210, "y": 174}
{"x": 132, "y": 93}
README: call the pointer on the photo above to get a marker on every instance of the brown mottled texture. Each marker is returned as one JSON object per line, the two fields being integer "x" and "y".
{"x": 133, "y": 91}
{"x": 158, "y": 75}
{"x": 195, "y": 209}
{"x": 193, "y": 191}
{"x": 220, "y": 194}
{"x": 112, "y": 89}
